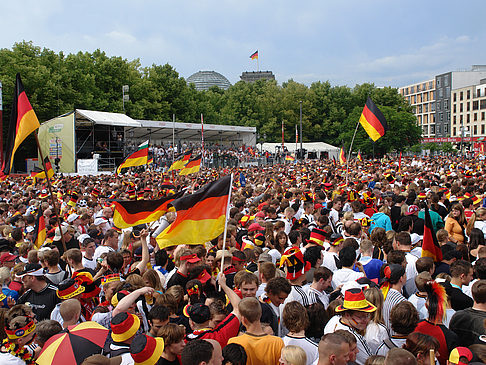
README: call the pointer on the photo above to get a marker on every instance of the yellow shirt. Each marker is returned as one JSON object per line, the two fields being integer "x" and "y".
{"x": 261, "y": 349}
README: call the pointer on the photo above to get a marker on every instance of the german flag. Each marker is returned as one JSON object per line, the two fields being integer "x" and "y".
{"x": 289, "y": 158}
{"x": 342, "y": 156}
{"x": 137, "y": 158}
{"x": 39, "y": 173}
{"x": 181, "y": 161}
{"x": 254, "y": 55}
{"x": 192, "y": 166}
{"x": 129, "y": 213}
{"x": 373, "y": 121}
{"x": 23, "y": 122}
{"x": 430, "y": 245}
{"x": 40, "y": 233}
{"x": 359, "y": 157}
{"x": 200, "y": 216}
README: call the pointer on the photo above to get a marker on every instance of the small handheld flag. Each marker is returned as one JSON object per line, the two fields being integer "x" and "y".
{"x": 342, "y": 156}
{"x": 373, "y": 121}
{"x": 289, "y": 158}
{"x": 192, "y": 166}
{"x": 359, "y": 157}
{"x": 430, "y": 244}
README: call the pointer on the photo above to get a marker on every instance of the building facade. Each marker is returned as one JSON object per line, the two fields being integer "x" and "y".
{"x": 422, "y": 98}
{"x": 257, "y": 75}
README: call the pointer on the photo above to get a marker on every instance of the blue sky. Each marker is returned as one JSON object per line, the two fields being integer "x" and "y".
{"x": 347, "y": 42}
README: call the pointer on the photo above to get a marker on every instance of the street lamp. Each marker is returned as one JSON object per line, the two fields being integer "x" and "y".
{"x": 125, "y": 96}
{"x": 301, "y": 151}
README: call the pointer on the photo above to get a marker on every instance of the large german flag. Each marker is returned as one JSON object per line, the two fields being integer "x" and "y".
{"x": 373, "y": 121}
{"x": 192, "y": 166}
{"x": 137, "y": 158}
{"x": 23, "y": 122}
{"x": 200, "y": 216}
{"x": 39, "y": 173}
{"x": 181, "y": 160}
{"x": 39, "y": 230}
{"x": 430, "y": 245}
{"x": 129, "y": 213}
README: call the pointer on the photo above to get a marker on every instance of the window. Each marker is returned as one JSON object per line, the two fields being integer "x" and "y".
{"x": 454, "y": 108}
{"x": 448, "y": 117}
{"x": 437, "y": 83}
{"x": 426, "y": 108}
{"x": 441, "y": 117}
{"x": 475, "y": 117}
{"x": 441, "y": 93}
{"x": 446, "y": 81}
{"x": 412, "y": 89}
{"x": 446, "y": 104}
{"x": 469, "y": 94}
{"x": 439, "y": 129}
{"x": 418, "y": 88}
{"x": 433, "y": 95}
{"x": 468, "y": 118}
{"x": 446, "y": 128}
{"x": 454, "y": 119}
{"x": 455, "y": 97}
{"x": 461, "y": 119}
{"x": 420, "y": 109}
{"x": 475, "y": 129}
{"x": 482, "y": 129}
{"x": 461, "y": 109}
{"x": 461, "y": 95}
{"x": 426, "y": 118}
{"x": 468, "y": 104}
{"x": 454, "y": 131}
{"x": 432, "y": 107}
{"x": 482, "y": 115}
{"x": 475, "y": 105}
{"x": 432, "y": 129}
{"x": 478, "y": 93}
{"x": 482, "y": 104}
{"x": 448, "y": 90}
{"x": 431, "y": 84}
{"x": 438, "y": 105}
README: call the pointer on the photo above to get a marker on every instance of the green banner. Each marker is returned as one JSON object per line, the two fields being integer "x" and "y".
{"x": 56, "y": 138}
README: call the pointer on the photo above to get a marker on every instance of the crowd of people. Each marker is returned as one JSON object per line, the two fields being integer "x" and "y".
{"x": 321, "y": 265}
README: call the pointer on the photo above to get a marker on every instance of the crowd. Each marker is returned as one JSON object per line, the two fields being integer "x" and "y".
{"x": 321, "y": 265}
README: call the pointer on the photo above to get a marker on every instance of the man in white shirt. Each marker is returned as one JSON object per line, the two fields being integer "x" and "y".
{"x": 347, "y": 258}
{"x": 316, "y": 291}
{"x": 330, "y": 259}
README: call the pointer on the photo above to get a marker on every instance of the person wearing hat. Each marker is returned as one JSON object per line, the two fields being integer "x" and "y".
{"x": 330, "y": 258}
{"x": 108, "y": 244}
{"x": 40, "y": 295}
{"x": 460, "y": 356}
{"x": 8, "y": 260}
{"x": 146, "y": 350}
{"x": 69, "y": 239}
{"x": 68, "y": 289}
{"x": 187, "y": 260}
{"x": 355, "y": 316}
{"x": 124, "y": 328}
{"x": 16, "y": 349}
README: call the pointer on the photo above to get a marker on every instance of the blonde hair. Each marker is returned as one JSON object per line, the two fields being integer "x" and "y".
{"x": 294, "y": 355}
{"x": 375, "y": 297}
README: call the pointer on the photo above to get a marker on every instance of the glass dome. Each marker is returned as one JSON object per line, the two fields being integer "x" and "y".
{"x": 203, "y": 80}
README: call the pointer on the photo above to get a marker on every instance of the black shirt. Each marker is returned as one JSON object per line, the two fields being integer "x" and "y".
{"x": 178, "y": 279}
{"x": 163, "y": 361}
{"x": 42, "y": 303}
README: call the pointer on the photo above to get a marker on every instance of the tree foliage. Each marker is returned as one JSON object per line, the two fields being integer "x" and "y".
{"x": 57, "y": 83}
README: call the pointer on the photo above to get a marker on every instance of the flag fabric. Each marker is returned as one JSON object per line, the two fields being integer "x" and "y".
{"x": 342, "y": 156}
{"x": 373, "y": 121}
{"x": 359, "y": 157}
{"x": 289, "y": 158}
{"x": 430, "y": 245}
{"x": 137, "y": 158}
{"x": 181, "y": 161}
{"x": 254, "y": 55}
{"x": 200, "y": 216}
{"x": 150, "y": 161}
{"x": 40, "y": 233}
{"x": 23, "y": 122}
{"x": 129, "y": 213}
{"x": 400, "y": 162}
{"x": 192, "y": 166}
{"x": 296, "y": 135}
{"x": 39, "y": 173}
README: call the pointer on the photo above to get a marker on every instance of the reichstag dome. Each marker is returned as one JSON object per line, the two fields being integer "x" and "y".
{"x": 203, "y": 80}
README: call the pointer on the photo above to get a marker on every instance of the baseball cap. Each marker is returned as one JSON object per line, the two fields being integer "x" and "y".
{"x": 192, "y": 258}
{"x": 7, "y": 256}
{"x": 57, "y": 233}
{"x": 32, "y": 269}
{"x": 198, "y": 313}
{"x": 457, "y": 353}
{"x": 255, "y": 227}
{"x": 412, "y": 210}
{"x": 72, "y": 217}
{"x": 265, "y": 257}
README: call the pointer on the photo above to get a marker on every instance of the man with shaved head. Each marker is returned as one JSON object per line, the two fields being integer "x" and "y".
{"x": 333, "y": 350}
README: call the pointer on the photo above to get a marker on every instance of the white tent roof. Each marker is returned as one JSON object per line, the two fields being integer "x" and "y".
{"x": 309, "y": 146}
{"x": 106, "y": 118}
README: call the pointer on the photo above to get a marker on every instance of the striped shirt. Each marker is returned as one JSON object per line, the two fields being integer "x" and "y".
{"x": 392, "y": 299}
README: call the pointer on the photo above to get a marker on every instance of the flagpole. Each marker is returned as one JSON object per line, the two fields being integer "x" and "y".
{"x": 54, "y": 205}
{"x": 173, "y": 143}
{"x": 349, "y": 152}
{"x": 202, "y": 139}
{"x": 226, "y": 222}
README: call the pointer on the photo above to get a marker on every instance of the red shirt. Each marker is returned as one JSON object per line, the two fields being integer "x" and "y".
{"x": 228, "y": 328}
{"x": 447, "y": 339}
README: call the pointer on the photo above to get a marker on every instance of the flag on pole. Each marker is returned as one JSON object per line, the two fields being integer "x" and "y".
{"x": 129, "y": 213}
{"x": 289, "y": 158}
{"x": 430, "y": 245}
{"x": 23, "y": 122}
{"x": 359, "y": 157}
{"x": 192, "y": 166}
{"x": 200, "y": 216}
{"x": 40, "y": 233}
{"x": 254, "y": 55}
{"x": 181, "y": 161}
{"x": 296, "y": 135}
{"x": 39, "y": 173}
{"x": 342, "y": 156}
{"x": 373, "y": 121}
{"x": 137, "y": 158}
{"x": 400, "y": 162}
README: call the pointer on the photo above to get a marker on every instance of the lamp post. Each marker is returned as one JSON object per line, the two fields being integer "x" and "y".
{"x": 125, "y": 96}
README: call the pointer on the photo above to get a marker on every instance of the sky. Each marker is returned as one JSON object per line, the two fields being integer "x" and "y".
{"x": 348, "y": 42}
